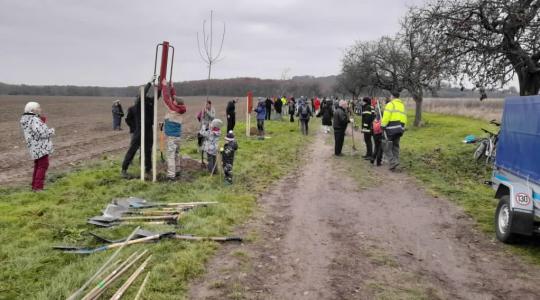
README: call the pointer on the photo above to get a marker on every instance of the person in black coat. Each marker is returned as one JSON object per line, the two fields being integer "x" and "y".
{"x": 231, "y": 115}
{"x": 148, "y": 126}
{"x": 292, "y": 108}
{"x": 341, "y": 121}
{"x": 327, "y": 113}
{"x": 367, "y": 126}
{"x": 117, "y": 113}
{"x": 130, "y": 118}
{"x": 278, "y": 105}
{"x": 268, "y": 104}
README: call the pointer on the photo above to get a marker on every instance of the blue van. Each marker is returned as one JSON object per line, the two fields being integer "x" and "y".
{"x": 516, "y": 175}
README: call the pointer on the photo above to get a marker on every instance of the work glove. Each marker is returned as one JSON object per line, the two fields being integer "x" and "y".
{"x": 351, "y": 120}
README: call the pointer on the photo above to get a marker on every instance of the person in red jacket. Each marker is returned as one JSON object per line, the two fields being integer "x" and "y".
{"x": 317, "y": 105}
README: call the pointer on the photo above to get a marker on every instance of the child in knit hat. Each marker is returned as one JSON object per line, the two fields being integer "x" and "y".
{"x": 211, "y": 139}
{"x": 227, "y": 156}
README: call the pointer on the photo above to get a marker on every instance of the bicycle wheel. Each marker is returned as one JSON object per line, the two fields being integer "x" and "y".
{"x": 480, "y": 151}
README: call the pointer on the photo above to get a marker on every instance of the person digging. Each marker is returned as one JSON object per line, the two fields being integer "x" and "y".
{"x": 173, "y": 128}
{"x": 148, "y": 126}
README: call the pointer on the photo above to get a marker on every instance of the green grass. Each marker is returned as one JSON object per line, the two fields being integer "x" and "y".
{"x": 30, "y": 223}
{"x": 436, "y": 155}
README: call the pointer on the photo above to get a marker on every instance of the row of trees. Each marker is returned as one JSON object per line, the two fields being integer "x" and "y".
{"x": 480, "y": 42}
{"x": 217, "y": 87}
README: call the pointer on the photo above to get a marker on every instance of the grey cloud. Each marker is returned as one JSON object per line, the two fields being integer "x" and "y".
{"x": 111, "y": 43}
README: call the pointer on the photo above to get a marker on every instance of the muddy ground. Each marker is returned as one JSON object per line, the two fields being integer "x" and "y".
{"x": 83, "y": 131}
{"x": 326, "y": 234}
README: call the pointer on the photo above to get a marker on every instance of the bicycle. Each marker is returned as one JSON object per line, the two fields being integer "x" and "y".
{"x": 487, "y": 147}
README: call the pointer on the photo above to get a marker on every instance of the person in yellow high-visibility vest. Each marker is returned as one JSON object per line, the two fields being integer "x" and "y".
{"x": 393, "y": 123}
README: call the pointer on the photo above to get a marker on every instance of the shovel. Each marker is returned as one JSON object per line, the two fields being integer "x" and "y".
{"x": 112, "y": 224}
{"x": 110, "y": 219}
{"x": 385, "y": 143}
{"x": 133, "y": 202}
{"x": 117, "y": 211}
{"x": 145, "y": 236}
{"x": 145, "y": 233}
{"x": 352, "y": 136}
{"x": 86, "y": 250}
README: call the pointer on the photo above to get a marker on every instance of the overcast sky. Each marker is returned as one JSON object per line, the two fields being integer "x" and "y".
{"x": 111, "y": 42}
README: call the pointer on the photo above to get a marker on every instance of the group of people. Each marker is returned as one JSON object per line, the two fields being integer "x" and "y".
{"x": 209, "y": 133}
{"x": 301, "y": 109}
{"x": 377, "y": 126}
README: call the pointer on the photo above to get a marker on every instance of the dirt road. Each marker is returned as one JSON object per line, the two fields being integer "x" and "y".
{"x": 322, "y": 235}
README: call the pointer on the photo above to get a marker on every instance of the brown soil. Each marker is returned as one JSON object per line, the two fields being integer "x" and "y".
{"x": 321, "y": 236}
{"x": 83, "y": 131}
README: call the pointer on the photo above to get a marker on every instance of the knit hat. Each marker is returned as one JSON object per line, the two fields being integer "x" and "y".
{"x": 31, "y": 106}
{"x": 230, "y": 136}
{"x": 216, "y": 123}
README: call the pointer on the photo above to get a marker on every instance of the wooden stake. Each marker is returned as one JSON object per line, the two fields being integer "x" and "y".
{"x": 139, "y": 292}
{"x": 100, "y": 270}
{"x": 130, "y": 280}
{"x": 142, "y": 147}
{"x": 154, "y": 136}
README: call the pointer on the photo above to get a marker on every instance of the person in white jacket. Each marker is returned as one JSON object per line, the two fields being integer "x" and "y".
{"x": 38, "y": 141}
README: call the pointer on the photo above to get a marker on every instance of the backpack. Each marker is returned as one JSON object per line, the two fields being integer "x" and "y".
{"x": 304, "y": 113}
{"x": 377, "y": 128}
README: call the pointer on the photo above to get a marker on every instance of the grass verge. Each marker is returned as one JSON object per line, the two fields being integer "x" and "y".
{"x": 30, "y": 223}
{"x": 436, "y": 156}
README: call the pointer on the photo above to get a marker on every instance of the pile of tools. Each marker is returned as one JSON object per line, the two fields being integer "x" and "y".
{"x": 127, "y": 211}
{"x": 136, "y": 210}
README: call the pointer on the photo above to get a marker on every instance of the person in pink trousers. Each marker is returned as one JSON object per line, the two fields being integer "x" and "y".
{"x": 38, "y": 141}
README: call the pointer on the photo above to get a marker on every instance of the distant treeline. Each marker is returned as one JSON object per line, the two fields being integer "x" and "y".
{"x": 297, "y": 86}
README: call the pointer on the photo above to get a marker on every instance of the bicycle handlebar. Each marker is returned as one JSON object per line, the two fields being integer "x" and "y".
{"x": 487, "y": 131}
{"x": 494, "y": 122}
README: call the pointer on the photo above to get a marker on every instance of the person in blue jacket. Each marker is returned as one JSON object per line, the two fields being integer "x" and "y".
{"x": 261, "y": 116}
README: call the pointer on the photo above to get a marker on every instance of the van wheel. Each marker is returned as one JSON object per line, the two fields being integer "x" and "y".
{"x": 503, "y": 221}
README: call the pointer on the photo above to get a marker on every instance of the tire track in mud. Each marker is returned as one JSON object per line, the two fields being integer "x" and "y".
{"x": 319, "y": 236}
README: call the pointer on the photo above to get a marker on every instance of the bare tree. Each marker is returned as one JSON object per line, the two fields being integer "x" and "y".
{"x": 357, "y": 69}
{"x": 206, "y": 50}
{"x": 284, "y": 80}
{"x": 490, "y": 41}
{"x": 424, "y": 65}
{"x": 408, "y": 61}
